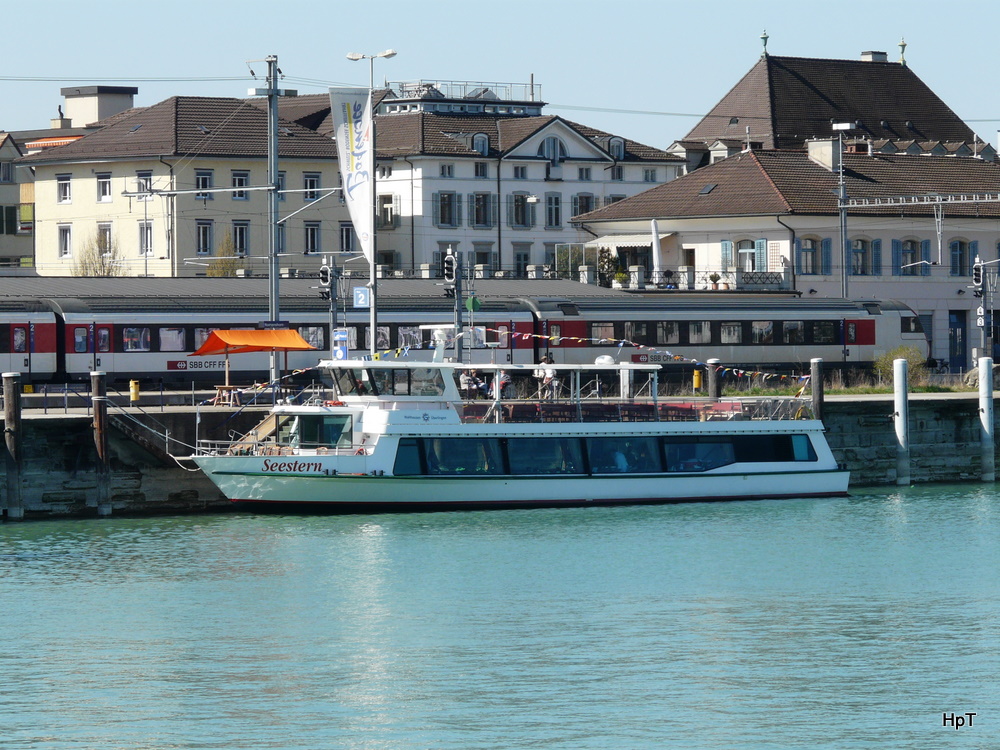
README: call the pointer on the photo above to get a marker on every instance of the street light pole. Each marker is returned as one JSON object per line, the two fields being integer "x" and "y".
{"x": 845, "y": 253}
{"x": 372, "y": 289}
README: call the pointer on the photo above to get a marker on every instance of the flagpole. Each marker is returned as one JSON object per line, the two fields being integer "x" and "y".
{"x": 372, "y": 286}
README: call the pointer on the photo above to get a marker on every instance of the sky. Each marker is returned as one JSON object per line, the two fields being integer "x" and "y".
{"x": 643, "y": 69}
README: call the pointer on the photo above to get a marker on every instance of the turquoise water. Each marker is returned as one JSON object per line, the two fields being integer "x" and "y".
{"x": 844, "y": 623}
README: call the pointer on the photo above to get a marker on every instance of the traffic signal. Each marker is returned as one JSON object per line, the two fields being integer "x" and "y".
{"x": 324, "y": 275}
{"x": 449, "y": 268}
{"x": 977, "y": 274}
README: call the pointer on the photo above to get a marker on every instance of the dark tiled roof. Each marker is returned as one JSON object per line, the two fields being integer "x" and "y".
{"x": 788, "y": 182}
{"x": 191, "y": 126}
{"x": 787, "y": 100}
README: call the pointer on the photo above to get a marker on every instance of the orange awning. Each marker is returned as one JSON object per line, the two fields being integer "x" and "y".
{"x": 234, "y": 342}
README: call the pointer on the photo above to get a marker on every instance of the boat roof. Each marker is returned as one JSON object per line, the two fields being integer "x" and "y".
{"x": 406, "y": 364}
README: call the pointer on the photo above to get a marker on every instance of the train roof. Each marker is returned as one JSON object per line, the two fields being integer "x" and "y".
{"x": 205, "y": 294}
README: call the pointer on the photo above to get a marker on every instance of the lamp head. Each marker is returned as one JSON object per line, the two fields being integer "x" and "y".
{"x": 355, "y": 56}
{"x": 387, "y": 53}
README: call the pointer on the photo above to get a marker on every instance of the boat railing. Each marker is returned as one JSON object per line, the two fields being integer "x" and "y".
{"x": 635, "y": 410}
{"x": 246, "y": 447}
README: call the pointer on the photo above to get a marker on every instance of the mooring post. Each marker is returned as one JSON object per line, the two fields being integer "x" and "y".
{"x": 816, "y": 381}
{"x": 99, "y": 399}
{"x": 986, "y": 429}
{"x": 901, "y": 417}
{"x": 14, "y": 455}
{"x": 714, "y": 381}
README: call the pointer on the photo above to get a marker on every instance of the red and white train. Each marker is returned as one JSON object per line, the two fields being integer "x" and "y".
{"x": 59, "y": 330}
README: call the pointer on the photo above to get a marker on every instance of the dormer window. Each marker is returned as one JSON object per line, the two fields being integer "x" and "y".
{"x": 617, "y": 148}
{"x": 481, "y": 143}
{"x": 553, "y": 149}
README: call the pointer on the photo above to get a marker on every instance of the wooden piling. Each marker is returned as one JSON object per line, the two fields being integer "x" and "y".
{"x": 99, "y": 398}
{"x": 816, "y": 382}
{"x": 14, "y": 440}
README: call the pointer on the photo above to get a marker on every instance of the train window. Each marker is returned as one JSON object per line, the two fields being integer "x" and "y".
{"x": 910, "y": 324}
{"x": 731, "y": 332}
{"x": 352, "y": 337}
{"x": 793, "y": 332}
{"x": 313, "y": 335}
{"x": 604, "y": 331}
{"x": 201, "y": 336}
{"x": 825, "y": 332}
{"x": 171, "y": 339}
{"x": 104, "y": 339}
{"x": 636, "y": 332}
{"x": 851, "y": 332}
{"x": 410, "y": 336}
{"x": 700, "y": 332}
{"x": 381, "y": 337}
{"x": 503, "y": 336}
{"x": 19, "y": 339}
{"x": 135, "y": 340}
{"x": 668, "y": 332}
{"x": 762, "y": 331}
{"x": 555, "y": 332}
{"x": 80, "y": 339}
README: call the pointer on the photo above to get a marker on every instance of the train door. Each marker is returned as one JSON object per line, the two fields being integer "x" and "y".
{"x": 90, "y": 348}
{"x": 957, "y": 331}
{"x": 859, "y": 334}
{"x": 21, "y": 346}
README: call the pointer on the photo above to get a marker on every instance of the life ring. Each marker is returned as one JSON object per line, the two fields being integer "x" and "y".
{"x": 360, "y": 452}
{"x": 333, "y": 403}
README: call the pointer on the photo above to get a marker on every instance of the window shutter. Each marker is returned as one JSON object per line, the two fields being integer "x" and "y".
{"x": 727, "y": 253}
{"x": 395, "y": 211}
{"x": 436, "y": 262}
{"x": 826, "y": 249}
{"x": 436, "y": 208}
{"x": 956, "y": 258}
{"x": 531, "y": 214}
{"x": 760, "y": 251}
{"x": 510, "y": 210}
{"x": 472, "y": 208}
{"x": 494, "y": 210}
{"x": 575, "y": 205}
{"x": 494, "y": 262}
{"x": 925, "y": 255}
{"x": 876, "y": 258}
{"x": 458, "y": 212}
{"x": 897, "y": 257}
{"x": 973, "y": 253}
{"x": 798, "y": 255}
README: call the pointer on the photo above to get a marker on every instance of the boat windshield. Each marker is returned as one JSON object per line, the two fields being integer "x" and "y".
{"x": 381, "y": 381}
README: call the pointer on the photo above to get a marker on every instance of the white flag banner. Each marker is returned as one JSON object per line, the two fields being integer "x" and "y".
{"x": 352, "y": 121}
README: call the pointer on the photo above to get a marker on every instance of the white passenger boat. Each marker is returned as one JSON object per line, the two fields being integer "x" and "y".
{"x": 398, "y": 435}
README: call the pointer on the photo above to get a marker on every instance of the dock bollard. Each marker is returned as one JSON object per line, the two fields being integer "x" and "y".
{"x": 14, "y": 455}
{"x": 901, "y": 417}
{"x": 714, "y": 381}
{"x": 816, "y": 381}
{"x": 986, "y": 430}
{"x": 133, "y": 391}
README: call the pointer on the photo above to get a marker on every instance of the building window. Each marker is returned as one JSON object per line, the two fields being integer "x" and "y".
{"x": 552, "y": 149}
{"x": 104, "y": 187}
{"x": 553, "y": 211}
{"x": 65, "y": 240}
{"x": 583, "y": 174}
{"x": 617, "y": 174}
{"x": 346, "y": 237}
{"x": 909, "y": 255}
{"x": 280, "y": 244}
{"x": 388, "y": 211}
{"x": 608, "y": 200}
{"x": 104, "y": 238}
{"x": 311, "y": 243}
{"x": 311, "y": 185}
{"x": 204, "y": 229}
{"x": 746, "y": 255}
{"x": 481, "y": 143}
{"x": 448, "y": 170}
{"x": 482, "y": 169}
{"x": 204, "y": 179}
{"x": 6, "y": 171}
{"x": 240, "y": 179}
{"x": 144, "y": 184}
{"x": 241, "y": 237}
{"x": 617, "y": 148}
{"x": 521, "y": 210}
{"x": 584, "y": 203}
{"x": 520, "y": 173}
{"x": 807, "y": 258}
{"x": 649, "y": 174}
{"x": 447, "y": 210}
{"x": 961, "y": 258}
{"x": 482, "y": 210}
{"x": 145, "y": 237}
{"x": 860, "y": 258}
{"x": 522, "y": 257}
{"x": 281, "y": 186}
{"x": 64, "y": 190}
{"x": 384, "y": 171}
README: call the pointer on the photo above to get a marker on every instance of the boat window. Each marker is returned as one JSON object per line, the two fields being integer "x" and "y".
{"x": 463, "y": 456}
{"x": 614, "y": 455}
{"x": 698, "y": 454}
{"x": 382, "y": 380}
{"x": 426, "y": 381}
{"x": 407, "y": 458}
{"x": 763, "y": 448}
{"x": 351, "y": 382}
{"x": 545, "y": 455}
{"x": 323, "y": 431}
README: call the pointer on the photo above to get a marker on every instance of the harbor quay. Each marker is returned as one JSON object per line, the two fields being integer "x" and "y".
{"x": 58, "y": 470}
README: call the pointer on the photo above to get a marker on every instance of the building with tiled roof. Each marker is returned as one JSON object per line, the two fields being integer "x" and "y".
{"x": 160, "y": 191}
{"x": 782, "y": 102}
{"x": 771, "y": 219}
{"x": 15, "y": 237}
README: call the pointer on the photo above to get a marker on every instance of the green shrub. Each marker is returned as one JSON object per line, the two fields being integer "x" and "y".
{"x": 916, "y": 368}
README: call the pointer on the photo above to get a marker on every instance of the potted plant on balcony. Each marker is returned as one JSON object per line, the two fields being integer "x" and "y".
{"x": 620, "y": 280}
{"x": 714, "y": 278}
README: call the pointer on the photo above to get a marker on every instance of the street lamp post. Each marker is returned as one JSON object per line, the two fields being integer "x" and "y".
{"x": 372, "y": 295}
{"x": 845, "y": 252}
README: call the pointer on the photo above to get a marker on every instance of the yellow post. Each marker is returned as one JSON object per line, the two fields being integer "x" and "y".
{"x": 697, "y": 379}
{"x": 133, "y": 390}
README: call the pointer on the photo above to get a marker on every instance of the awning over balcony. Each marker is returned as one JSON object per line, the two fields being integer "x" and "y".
{"x": 615, "y": 241}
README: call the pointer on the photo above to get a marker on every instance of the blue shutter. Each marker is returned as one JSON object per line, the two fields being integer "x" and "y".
{"x": 494, "y": 210}
{"x": 956, "y": 258}
{"x": 436, "y": 208}
{"x": 897, "y": 257}
{"x": 973, "y": 254}
{"x": 760, "y": 251}
{"x": 458, "y": 212}
{"x": 727, "y": 253}
{"x": 798, "y": 255}
{"x": 876, "y": 258}
{"x": 826, "y": 248}
{"x": 925, "y": 255}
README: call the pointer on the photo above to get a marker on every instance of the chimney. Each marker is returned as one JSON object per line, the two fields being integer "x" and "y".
{"x": 874, "y": 56}
{"x": 825, "y": 152}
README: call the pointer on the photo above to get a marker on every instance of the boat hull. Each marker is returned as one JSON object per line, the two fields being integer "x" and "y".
{"x": 244, "y": 479}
